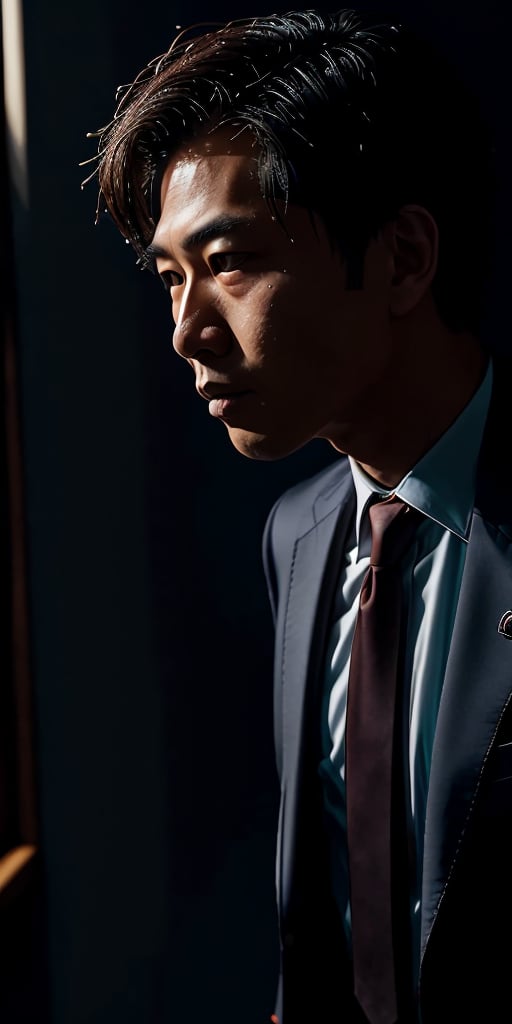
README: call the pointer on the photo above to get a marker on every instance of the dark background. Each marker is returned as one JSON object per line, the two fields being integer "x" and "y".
{"x": 151, "y": 633}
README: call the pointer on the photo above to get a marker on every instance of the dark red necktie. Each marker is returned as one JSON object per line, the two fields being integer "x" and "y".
{"x": 370, "y": 745}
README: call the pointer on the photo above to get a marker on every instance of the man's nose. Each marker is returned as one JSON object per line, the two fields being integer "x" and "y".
{"x": 199, "y": 326}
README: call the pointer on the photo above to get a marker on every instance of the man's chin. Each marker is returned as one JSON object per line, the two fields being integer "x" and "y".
{"x": 260, "y": 447}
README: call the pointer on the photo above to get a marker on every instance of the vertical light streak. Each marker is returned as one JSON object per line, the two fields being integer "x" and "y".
{"x": 14, "y": 96}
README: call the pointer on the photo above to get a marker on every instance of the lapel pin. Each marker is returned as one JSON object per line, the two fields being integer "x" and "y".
{"x": 505, "y": 625}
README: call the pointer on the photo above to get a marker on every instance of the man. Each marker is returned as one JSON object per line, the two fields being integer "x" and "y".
{"x": 314, "y": 192}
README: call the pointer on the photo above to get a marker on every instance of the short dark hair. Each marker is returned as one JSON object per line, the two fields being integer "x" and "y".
{"x": 355, "y": 117}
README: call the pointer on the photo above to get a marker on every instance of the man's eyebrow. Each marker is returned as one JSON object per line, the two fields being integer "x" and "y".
{"x": 215, "y": 229}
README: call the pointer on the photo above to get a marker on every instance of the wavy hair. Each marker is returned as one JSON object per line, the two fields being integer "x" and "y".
{"x": 354, "y": 117}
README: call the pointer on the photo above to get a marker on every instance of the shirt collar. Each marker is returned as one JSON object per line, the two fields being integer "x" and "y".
{"x": 442, "y": 483}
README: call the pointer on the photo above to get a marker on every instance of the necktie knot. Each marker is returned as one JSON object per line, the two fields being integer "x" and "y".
{"x": 393, "y": 524}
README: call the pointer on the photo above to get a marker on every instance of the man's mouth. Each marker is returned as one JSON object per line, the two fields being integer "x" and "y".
{"x": 226, "y": 402}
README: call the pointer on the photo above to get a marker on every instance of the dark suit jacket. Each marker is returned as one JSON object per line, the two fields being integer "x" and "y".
{"x": 466, "y": 945}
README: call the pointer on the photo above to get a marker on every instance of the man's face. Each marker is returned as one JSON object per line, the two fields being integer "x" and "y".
{"x": 281, "y": 350}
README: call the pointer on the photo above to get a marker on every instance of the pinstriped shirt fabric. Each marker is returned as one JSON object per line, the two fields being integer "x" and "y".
{"x": 441, "y": 486}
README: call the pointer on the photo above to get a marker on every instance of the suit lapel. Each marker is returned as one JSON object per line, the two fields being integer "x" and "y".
{"x": 478, "y": 682}
{"x": 315, "y": 568}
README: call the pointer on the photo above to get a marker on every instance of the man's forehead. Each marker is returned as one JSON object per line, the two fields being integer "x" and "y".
{"x": 223, "y": 167}
{"x": 198, "y": 151}
{"x": 225, "y": 140}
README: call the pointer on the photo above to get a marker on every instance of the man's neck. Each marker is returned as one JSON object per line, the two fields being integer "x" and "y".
{"x": 405, "y": 429}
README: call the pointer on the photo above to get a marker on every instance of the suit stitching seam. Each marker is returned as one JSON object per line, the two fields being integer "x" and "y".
{"x": 464, "y": 828}
{"x": 333, "y": 511}
{"x": 285, "y": 645}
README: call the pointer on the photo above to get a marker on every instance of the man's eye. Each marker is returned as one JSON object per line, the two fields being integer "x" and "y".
{"x": 171, "y": 279}
{"x": 226, "y": 262}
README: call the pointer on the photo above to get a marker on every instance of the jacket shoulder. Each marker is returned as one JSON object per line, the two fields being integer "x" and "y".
{"x": 493, "y": 492}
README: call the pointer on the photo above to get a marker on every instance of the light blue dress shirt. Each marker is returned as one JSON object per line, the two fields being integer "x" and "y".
{"x": 442, "y": 486}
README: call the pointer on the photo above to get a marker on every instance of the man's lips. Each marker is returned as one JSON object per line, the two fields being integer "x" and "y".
{"x": 224, "y": 402}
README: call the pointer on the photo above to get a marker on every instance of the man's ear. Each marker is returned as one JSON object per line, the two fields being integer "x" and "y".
{"x": 413, "y": 241}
